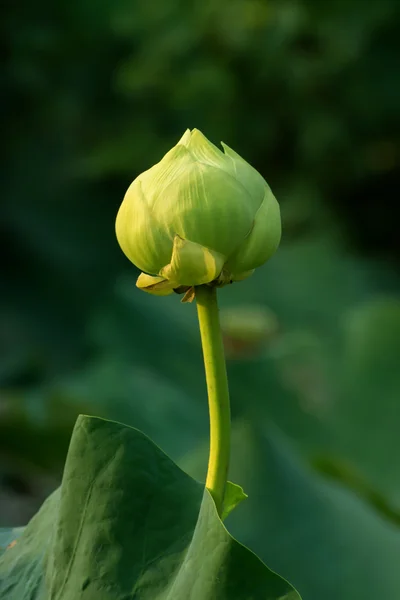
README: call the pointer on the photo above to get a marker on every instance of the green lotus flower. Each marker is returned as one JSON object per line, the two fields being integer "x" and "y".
{"x": 198, "y": 216}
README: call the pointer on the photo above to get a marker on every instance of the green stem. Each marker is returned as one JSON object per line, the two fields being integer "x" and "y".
{"x": 218, "y": 392}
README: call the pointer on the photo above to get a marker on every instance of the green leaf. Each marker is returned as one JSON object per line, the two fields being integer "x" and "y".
{"x": 323, "y": 537}
{"x": 127, "y": 523}
{"x": 234, "y": 495}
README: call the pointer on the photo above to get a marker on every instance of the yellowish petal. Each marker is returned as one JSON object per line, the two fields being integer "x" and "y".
{"x": 154, "y": 285}
{"x": 192, "y": 264}
{"x": 185, "y": 138}
{"x": 140, "y": 238}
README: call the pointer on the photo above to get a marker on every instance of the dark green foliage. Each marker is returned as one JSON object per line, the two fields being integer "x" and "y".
{"x": 127, "y": 523}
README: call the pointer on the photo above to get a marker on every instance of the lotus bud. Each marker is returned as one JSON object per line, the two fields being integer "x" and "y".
{"x": 199, "y": 216}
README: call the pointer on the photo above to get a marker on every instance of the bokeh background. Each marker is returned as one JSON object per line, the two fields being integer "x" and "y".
{"x": 307, "y": 91}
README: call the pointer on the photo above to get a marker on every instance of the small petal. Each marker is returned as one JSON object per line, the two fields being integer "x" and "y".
{"x": 138, "y": 234}
{"x": 263, "y": 240}
{"x": 154, "y": 285}
{"x": 192, "y": 264}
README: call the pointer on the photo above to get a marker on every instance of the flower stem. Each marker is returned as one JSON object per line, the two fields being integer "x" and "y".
{"x": 218, "y": 392}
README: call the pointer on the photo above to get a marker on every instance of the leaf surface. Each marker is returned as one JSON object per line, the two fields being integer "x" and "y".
{"x": 127, "y": 523}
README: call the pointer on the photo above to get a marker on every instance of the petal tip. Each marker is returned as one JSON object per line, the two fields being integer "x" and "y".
{"x": 185, "y": 139}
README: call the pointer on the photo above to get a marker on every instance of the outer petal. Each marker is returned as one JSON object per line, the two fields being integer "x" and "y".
{"x": 263, "y": 240}
{"x": 154, "y": 285}
{"x": 192, "y": 264}
{"x": 141, "y": 240}
{"x": 207, "y": 206}
{"x": 251, "y": 179}
{"x": 172, "y": 166}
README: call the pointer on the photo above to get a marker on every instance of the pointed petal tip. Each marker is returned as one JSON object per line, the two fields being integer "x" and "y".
{"x": 228, "y": 151}
{"x": 203, "y": 150}
{"x": 185, "y": 138}
{"x": 196, "y": 134}
{"x": 190, "y": 135}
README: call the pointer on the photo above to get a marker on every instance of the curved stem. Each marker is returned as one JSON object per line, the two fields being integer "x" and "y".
{"x": 218, "y": 392}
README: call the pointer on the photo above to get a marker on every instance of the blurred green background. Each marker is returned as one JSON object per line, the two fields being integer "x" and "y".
{"x": 309, "y": 93}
